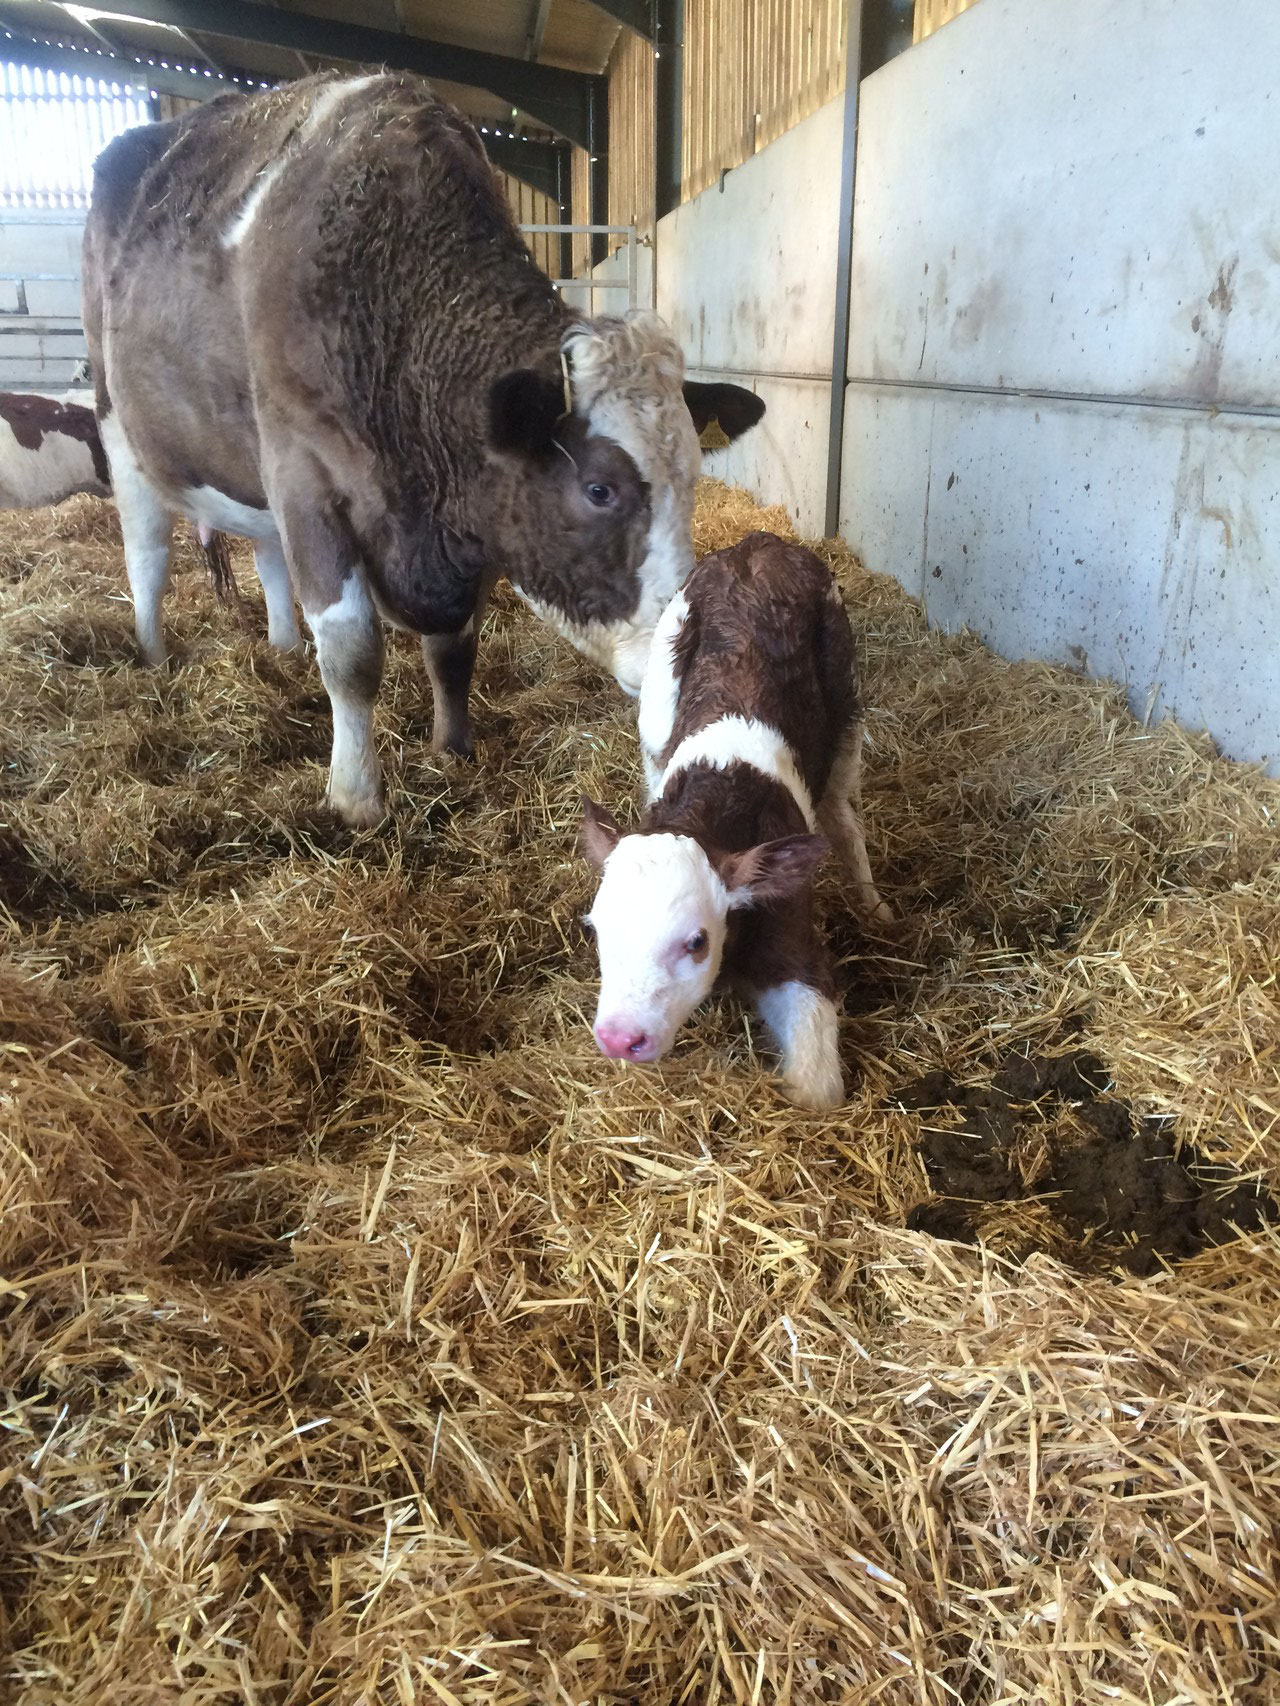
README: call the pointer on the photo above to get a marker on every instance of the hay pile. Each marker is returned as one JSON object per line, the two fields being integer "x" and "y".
{"x": 370, "y": 1338}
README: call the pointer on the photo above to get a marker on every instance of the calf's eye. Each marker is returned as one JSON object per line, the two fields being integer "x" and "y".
{"x": 696, "y": 943}
{"x": 599, "y": 494}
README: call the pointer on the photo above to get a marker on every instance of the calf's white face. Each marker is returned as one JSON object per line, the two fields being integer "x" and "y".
{"x": 660, "y": 919}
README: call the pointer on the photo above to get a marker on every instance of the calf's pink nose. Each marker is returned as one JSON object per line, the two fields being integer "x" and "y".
{"x": 622, "y": 1041}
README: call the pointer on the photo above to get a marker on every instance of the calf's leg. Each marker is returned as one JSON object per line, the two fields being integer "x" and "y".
{"x": 840, "y": 819}
{"x": 802, "y": 1022}
{"x": 789, "y": 974}
{"x": 146, "y": 523}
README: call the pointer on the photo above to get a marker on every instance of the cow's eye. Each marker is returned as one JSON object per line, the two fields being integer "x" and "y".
{"x": 599, "y": 494}
{"x": 696, "y": 943}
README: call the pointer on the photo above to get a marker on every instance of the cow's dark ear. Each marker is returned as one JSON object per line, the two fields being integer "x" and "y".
{"x": 524, "y": 409}
{"x": 599, "y": 834}
{"x": 731, "y": 407}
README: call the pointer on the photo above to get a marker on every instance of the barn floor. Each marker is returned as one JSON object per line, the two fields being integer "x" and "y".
{"x": 369, "y": 1338}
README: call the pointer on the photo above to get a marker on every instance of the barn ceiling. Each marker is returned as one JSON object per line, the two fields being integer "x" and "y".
{"x": 526, "y": 64}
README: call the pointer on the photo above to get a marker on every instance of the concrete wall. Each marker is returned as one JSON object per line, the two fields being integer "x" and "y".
{"x": 1063, "y": 425}
{"x": 40, "y": 334}
{"x": 746, "y": 277}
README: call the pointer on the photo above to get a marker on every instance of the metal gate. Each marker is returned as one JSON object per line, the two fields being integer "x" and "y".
{"x": 629, "y": 264}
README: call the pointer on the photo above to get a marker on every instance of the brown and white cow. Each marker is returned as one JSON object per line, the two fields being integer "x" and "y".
{"x": 752, "y": 739}
{"x": 49, "y": 450}
{"x": 313, "y": 322}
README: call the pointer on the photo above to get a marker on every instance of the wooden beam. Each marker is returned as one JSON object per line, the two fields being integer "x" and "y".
{"x": 537, "y": 28}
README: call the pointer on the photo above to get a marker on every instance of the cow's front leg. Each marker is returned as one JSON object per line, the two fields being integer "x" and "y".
{"x": 349, "y": 649}
{"x": 323, "y": 562}
{"x": 451, "y": 661}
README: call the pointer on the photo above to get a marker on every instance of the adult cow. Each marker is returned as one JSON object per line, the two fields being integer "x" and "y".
{"x": 313, "y": 322}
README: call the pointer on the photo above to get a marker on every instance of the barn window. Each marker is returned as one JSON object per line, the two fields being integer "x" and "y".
{"x": 52, "y": 127}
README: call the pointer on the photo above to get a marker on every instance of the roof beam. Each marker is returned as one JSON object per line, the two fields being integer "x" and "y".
{"x": 556, "y": 98}
{"x": 637, "y": 15}
{"x": 52, "y": 55}
{"x": 537, "y": 28}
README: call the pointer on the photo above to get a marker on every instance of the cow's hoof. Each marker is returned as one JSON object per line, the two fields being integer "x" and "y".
{"x": 456, "y": 746}
{"x": 364, "y": 813}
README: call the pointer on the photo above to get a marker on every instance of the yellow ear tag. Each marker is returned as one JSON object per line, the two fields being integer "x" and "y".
{"x": 713, "y": 436}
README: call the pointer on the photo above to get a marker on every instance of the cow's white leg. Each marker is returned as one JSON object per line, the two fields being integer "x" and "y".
{"x": 349, "y": 648}
{"x": 277, "y": 588}
{"x": 840, "y": 819}
{"x": 803, "y": 1024}
{"x": 146, "y": 522}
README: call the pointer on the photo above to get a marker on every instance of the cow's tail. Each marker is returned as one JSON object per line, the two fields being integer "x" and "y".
{"x": 217, "y": 556}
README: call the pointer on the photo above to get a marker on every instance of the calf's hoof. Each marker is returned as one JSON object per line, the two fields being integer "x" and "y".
{"x": 819, "y": 1093}
{"x": 879, "y": 912}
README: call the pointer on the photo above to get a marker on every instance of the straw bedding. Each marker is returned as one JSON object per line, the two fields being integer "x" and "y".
{"x": 369, "y": 1338}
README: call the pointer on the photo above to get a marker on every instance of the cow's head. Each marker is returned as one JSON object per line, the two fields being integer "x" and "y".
{"x": 661, "y": 917}
{"x": 593, "y": 514}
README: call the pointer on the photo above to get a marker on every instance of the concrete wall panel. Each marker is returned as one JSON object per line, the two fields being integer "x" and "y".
{"x": 1077, "y": 198}
{"x": 1137, "y": 544}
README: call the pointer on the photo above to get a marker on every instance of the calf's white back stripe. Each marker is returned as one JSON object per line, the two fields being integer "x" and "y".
{"x": 743, "y": 740}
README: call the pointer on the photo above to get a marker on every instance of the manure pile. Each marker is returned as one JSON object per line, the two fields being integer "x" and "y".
{"x": 368, "y": 1338}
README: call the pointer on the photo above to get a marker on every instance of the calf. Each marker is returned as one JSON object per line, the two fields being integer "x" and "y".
{"x": 752, "y": 739}
{"x": 48, "y": 451}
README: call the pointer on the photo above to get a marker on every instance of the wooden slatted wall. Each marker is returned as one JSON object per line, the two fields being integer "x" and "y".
{"x": 580, "y": 208}
{"x": 932, "y": 14}
{"x": 531, "y": 207}
{"x": 631, "y": 134}
{"x": 752, "y": 69}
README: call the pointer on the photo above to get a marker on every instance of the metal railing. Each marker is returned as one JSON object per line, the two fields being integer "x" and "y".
{"x": 589, "y": 284}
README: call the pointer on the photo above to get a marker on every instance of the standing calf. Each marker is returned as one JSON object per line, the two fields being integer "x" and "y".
{"x": 752, "y": 739}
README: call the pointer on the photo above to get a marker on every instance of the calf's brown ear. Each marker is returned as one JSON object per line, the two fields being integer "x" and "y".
{"x": 524, "y": 411}
{"x": 772, "y": 870}
{"x": 599, "y": 834}
{"x": 733, "y": 407}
